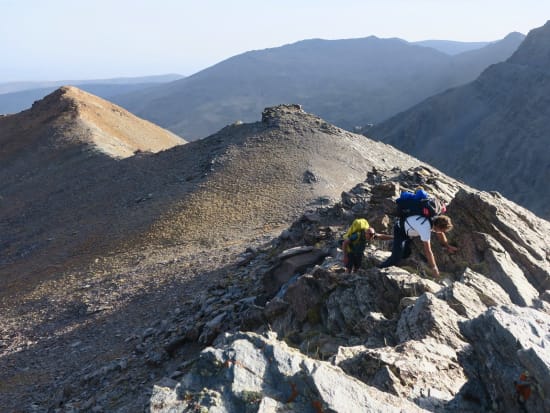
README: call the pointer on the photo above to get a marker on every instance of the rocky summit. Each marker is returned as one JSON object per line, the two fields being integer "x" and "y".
{"x": 208, "y": 277}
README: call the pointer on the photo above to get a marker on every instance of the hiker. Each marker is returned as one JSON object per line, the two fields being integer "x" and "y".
{"x": 419, "y": 226}
{"x": 355, "y": 242}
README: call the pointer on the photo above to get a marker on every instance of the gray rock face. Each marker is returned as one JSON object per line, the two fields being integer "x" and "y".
{"x": 503, "y": 242}
{"x": 425, "y": 371}
{"x": 430, "y": 317}
{"x": 488, "y": 292}
{"x": 252, "y": 373}
{"x": 506, "y": 341}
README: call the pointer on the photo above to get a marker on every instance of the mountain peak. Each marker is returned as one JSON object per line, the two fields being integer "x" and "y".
{"x": 99, "y": 123}
{"x": 535, "y": 49}
{"x": 62, "y": 100}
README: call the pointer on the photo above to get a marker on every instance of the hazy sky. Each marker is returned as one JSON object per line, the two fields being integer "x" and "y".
{"x": 92, "y": 39}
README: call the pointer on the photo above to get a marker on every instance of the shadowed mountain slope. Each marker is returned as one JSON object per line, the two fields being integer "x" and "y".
{"x": 59, "y": 161}
{"x": 493, "y": 133}
{"x": 343, "y": 81}
{"x": 63, "y": 198}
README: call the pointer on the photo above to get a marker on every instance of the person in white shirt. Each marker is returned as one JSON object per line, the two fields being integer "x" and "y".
{"x": 419, "y": 226}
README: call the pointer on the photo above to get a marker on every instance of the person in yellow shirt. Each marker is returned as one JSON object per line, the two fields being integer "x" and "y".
{"x": 355, "y": 242}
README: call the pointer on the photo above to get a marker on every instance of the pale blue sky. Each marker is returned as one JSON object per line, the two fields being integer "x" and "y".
{"x": 92, "y": 39}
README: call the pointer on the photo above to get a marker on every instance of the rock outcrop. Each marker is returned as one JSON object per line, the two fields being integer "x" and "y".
{"x": 251, "y": 373}
{"x": 91, "y": 243}
{"x": 392, "y": 339}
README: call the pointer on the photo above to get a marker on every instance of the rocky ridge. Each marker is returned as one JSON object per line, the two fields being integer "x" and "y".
{"x": 93, "y": 331}
{"x": 452, "y": 346}
{"x": 287, "y": 335}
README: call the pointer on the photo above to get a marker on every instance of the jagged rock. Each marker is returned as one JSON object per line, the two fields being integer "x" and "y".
{"x": 473, "y": 294}
{"x": 407, "y": 333}
{"x": 463, "y": 300}
{"x": 247, "y": 372}
{"x": 397, "y": 331}
{"x": 505, "y": 271}
{"x": 489, "y": 292}
{"x": 488, "y": 230}
{"x": 430, "y": 317}
{"x": 360, "y": 308}
{"x": 506, "y": 341}
{"x": 425, "y": 371}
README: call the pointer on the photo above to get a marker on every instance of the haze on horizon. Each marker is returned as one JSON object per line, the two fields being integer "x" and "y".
{"x": 63, "y": 39}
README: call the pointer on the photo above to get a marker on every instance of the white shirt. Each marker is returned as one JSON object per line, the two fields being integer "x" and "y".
{"x": 418, "y": 226}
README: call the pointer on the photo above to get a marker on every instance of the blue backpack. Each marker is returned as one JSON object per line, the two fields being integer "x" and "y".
{"x": 419, "y": 203}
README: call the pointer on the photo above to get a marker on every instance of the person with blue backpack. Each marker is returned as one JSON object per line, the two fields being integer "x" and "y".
{"x": 419, "y": 216}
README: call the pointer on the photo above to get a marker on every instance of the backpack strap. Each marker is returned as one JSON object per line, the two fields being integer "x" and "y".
{"x": 425, "y": 218}
{"x": 402, "y": 220}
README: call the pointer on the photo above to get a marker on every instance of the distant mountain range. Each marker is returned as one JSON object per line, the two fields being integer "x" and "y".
{"x": 451, "y": 47}
{"x": 18, "y": 96}
{"x": 347, "y": 82}
{"x": 493, "y": 132}
{"x": 344, "y": 81}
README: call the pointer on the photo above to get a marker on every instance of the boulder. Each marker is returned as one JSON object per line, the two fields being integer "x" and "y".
{"x": 425, "y": 371}
{"x": 506, "y": 341}
{"x": 431, "y": 317}
{"x": 473, "y": 294}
